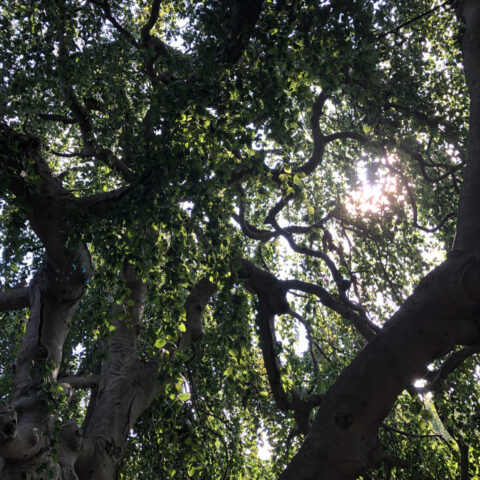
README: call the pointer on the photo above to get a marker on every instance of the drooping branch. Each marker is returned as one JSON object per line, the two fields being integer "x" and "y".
{"x": 413, "y": 203}
{"x": 148, "y": 41}
{"x": 107, "y": 11}
{"x": 81, "y": 115}
{"x": 414, "y": 19}
{"x": 271, "y": 302}
{"x": 271, "y": 294}
{"x": 458, "y": 439}
{"x": 52, "y": 117}
{"x": 411, "y": 435}
{"x": 450, "y": 169}
{"x": 311, "y": 342}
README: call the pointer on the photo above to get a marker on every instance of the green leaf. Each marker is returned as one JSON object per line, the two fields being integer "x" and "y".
{"x": 366, "y": 129}
{"x": 184, "y": 397}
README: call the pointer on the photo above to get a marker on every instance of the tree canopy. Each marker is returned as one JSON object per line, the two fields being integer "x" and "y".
{"x": 239, "y": 239}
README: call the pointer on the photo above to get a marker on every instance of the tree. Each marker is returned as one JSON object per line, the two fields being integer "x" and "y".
{"x": 189, "y": 188}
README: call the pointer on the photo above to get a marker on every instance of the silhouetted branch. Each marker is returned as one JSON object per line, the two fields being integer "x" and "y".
{"x": 15, "y": 299}
{"x": 246, "y": 13}
{"x": 453, "y": 361}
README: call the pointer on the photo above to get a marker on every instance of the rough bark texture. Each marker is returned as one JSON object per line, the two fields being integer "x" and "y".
{"x": 468, "y": 223}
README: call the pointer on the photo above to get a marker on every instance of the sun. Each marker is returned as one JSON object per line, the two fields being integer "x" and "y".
{"x": 374, "y": 196}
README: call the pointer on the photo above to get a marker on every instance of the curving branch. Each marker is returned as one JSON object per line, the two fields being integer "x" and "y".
{"x": 318, "y": 138}
{"x": 81, "y": 116}
{"x": 319, "y": 142}
{"x": 107, "y": 11}
{"x": 271, "y": 294}
{"x": 255, "y": 233}
{"x": 364, "y": 326}
{"x": 423, "y": 164}
{"x": 337, "y": 277}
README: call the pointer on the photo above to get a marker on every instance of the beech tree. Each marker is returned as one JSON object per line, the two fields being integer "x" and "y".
{"x": 240, "y": 239}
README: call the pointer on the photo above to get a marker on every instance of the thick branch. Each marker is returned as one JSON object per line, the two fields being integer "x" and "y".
{"x": 318, "y": 138}
{"x": 453, "y": 361}
{"x": 127, "y": 319}
{"x": 15, "y": 299}
{"x": 155, "y": 10}
{"x": 439, "y": 315}
{"x": 245, "y": 17}
{"x": 195, "y": 305}
{"x": 80, "y": 382}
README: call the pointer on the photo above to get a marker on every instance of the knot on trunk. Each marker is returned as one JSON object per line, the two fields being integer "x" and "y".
{"x": 8, "y": 423}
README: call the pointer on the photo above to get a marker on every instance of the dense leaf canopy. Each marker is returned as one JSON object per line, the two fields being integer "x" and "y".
{"x": 276, "y": 178}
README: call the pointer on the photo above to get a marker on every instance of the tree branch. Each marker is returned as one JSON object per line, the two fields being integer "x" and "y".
{"x": 453, "y": 361}
{"x": 272, "y": 301}
{"x": 15, "y": 299}
{"x": 127, "y": 318}
{"x": 245, "y": 17}
{"x": 195, "y": 305}
{"x": 364, "y": 326}
{"x": 81, "y": 382}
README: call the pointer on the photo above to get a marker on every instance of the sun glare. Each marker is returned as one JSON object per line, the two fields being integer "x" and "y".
{"x": 373, "y": 196}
